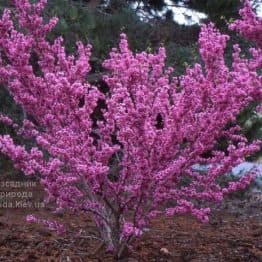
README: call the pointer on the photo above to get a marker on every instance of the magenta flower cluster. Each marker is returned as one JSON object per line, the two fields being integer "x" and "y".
{"x": 51, "y": 225}
{"x": 155, "y": 127}
{"x": 249, "y": 26}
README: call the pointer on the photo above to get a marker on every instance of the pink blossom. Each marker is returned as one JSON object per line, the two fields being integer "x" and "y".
{"x": 31, "y": 218}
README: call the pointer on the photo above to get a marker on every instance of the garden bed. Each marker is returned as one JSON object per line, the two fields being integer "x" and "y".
{"x": 233, "y": 234}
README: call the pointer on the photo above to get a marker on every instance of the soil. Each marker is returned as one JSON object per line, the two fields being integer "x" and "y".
{"x": 234, "y": 233}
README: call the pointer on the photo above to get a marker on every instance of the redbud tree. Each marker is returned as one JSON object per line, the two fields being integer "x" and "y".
{"x": 137, "y": 162}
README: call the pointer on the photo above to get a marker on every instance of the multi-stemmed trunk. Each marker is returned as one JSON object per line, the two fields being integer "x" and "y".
{"x": 111, "y": 235}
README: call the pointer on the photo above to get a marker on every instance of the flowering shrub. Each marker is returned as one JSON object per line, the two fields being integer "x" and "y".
{"x": 249, "y": 26}
{"x": 137, "y": 162}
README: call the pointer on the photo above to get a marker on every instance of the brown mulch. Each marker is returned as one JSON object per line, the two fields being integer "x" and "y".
{"x": 234, "y": 233}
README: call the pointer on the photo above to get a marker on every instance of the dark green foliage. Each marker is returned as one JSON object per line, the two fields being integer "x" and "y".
{"x": 216, "y": 9}
{"x": 251, "y": 123}
{"x": 181, "y": 57}
{"x": 102, "y": 29}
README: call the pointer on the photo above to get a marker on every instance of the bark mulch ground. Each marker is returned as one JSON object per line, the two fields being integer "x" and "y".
{"x": 234, "y": 233}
